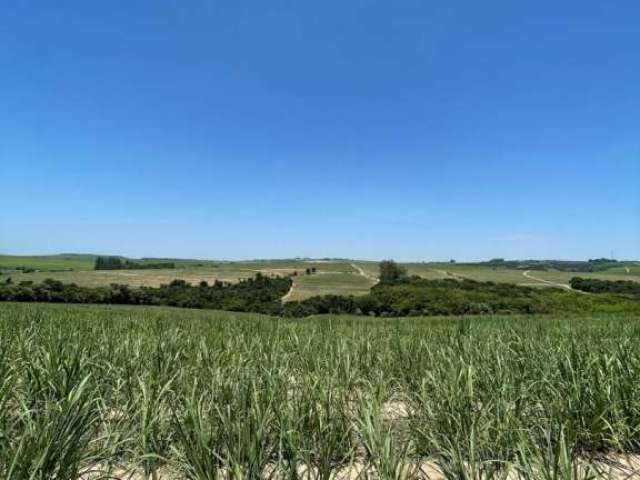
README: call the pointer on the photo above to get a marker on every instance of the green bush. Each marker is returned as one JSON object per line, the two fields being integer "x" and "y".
{"x": 594, "y": 285}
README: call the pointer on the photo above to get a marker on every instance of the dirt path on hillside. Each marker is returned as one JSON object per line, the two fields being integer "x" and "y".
{"x": 447, "y": 274}
{"x": 288, "y": 294}
{"x": 566, "y": 286}
{"x": 375, "y": 280}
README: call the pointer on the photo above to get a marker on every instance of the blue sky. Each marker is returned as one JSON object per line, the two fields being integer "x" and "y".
{"x": 414, "y": 130}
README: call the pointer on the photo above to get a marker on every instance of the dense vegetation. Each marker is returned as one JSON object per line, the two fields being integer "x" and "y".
{"x": 259, "y": 294}
{"x": 594, "y": 285}
{"x": 117, "y": 263}
{"x": 203, "y": 395}
{"x": 390, "y": 271}
{"x": 592, "y": 265}
{"x": 405, "y": 296}
{"x": 411, "y": 296}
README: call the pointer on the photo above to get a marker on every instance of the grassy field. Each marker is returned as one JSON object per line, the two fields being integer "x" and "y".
{"x": 483, "y": 273}
{"x": 148, "y": 278}
{"x": 431, "y": 271}
{"x": 79, "y": 262}
{"x": 370, "y": 268}
{"x": 333, "y": 277}
{"x": 305, "y": 286}
{"x": 297, "y": 265}
{"x": 168, "y": 393}
{"x": 81, "y": 271}
{"x": 611, "y": 274}
{"x": 48, "y": 262}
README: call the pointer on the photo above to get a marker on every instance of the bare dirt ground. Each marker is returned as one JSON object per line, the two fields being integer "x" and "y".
{"x": 395, "y": 410}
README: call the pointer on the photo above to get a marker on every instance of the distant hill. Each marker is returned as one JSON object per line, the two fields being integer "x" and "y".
{"x": 66, "y": 261}
{"x": 86, "y": 261}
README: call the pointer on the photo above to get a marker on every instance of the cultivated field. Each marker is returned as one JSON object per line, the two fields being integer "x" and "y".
{"x": 166, "y": 393}
{"x": 611, "y": 274}
{"x": 484, "y": 273}
{"x": 332, "y": 277}
{"x": 48, "y": 262}
{"x": 305, "y": 286}
{"x": 147, "y": 278}
{"x": 71, "y": 270}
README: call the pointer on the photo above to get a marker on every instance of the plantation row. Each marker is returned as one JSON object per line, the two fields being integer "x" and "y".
{"x": 204, "y": 395}
{"x": 401, "y": 296}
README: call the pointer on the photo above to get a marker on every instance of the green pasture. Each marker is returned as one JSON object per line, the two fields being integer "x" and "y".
{"x": 305, "y": 286}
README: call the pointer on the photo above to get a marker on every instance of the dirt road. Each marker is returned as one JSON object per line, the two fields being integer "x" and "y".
{"x": 288, "y": 294}
{"x": 365, "y": 274}
{"x": 566, "y": 286}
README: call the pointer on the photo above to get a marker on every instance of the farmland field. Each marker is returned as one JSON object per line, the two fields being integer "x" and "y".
{"x": 332, "y": 277}
{"x": 305, "y": 286}
{"x": 611, "y": 274}
{"x": 482, "y": 273}
{"x": 48, "y": 262}
{"x": 147, "y": 278}
{"x": 70, "y": 270}
{"x": 168, "y": 393}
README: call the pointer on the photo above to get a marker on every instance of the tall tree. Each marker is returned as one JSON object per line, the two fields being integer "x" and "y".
{"x": 391, "y": 271}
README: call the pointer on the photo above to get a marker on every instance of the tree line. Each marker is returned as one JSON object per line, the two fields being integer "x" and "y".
{"x": 415, "y": 296}
{"x": 117, "y": 263}
{"x": 594, "y": 285}
{"x": 259, "y": 294}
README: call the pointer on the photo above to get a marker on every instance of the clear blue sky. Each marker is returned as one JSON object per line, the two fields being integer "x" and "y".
{"x": 415, "y": 130}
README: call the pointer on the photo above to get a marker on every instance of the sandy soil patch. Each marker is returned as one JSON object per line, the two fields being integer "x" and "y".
{"x": 612, "y": 467}
{"x": 394, "y": 410}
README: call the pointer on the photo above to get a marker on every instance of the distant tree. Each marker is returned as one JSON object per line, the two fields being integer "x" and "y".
{"x": 313, "y": 269}
{"x": 391, "y": 271}
{"x": 108, "y": 263}
{"x": 116, "y": 263}
{"x": 602, "y": 260}
{"x": 452, "y": 261}
{"x": 307, "y": 271}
